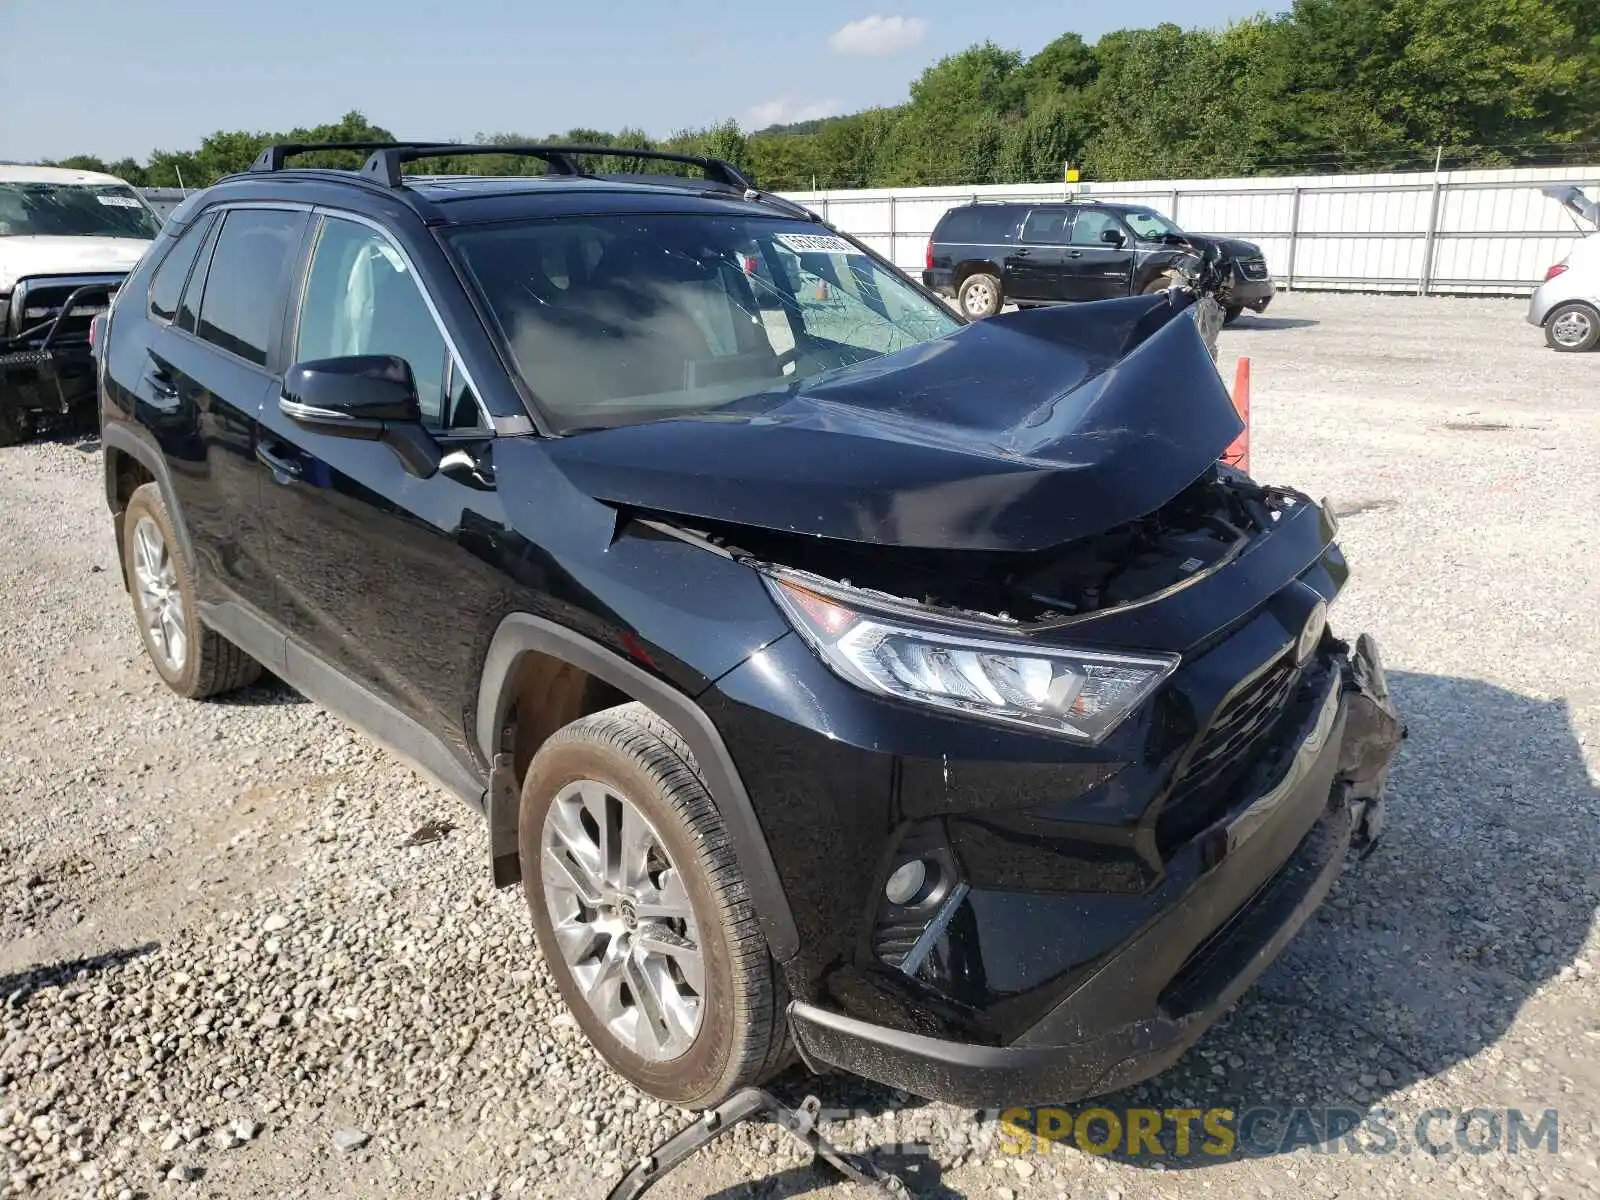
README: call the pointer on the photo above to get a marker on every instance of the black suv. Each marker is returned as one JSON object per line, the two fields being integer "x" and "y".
{"x": 837, "y": 677}
{"x": 988, "y": 254}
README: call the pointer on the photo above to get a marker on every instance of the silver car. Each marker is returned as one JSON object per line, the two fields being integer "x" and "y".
{"x": 1567, "y": 304}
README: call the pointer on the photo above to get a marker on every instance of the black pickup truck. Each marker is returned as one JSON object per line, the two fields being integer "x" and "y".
{"x": 988, "y": 254}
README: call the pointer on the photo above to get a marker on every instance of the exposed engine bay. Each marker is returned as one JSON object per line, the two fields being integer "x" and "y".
{"x": 1198, "y": 531}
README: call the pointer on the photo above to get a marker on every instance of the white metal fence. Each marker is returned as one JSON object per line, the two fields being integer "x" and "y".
{"x": 1457, "y": 232}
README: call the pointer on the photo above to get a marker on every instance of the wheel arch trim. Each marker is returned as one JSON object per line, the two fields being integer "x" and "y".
{"x": 521, "y": 633}
{"x": 122, "y": 439}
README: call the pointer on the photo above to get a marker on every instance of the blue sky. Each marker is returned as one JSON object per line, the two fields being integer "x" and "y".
{"x": 116, "y": 77}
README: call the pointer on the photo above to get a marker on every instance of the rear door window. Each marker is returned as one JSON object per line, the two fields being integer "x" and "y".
{"x": 248, "y": 282}
{"x": 1047, "y": 226}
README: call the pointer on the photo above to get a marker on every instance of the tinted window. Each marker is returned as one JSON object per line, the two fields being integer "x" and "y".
{"x": 190, "y": 307}
{"x": 1090, "y": 225}
{"x": 362, "y": 299}
{"x": 958, "y": 225}
{"x": 246, "y": 285}
{"x": 166, "y": 289}
{"x": 997, "y": 222}
{"x": 1048, "y": 225}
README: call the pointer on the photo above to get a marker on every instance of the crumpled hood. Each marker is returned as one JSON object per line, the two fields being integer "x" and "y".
{"x": 1230, "y": 247}
{"x": 22, "y": 256}
{"x": 1012, "y": 434}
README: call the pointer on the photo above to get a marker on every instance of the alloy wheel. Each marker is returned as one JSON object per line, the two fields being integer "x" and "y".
{"x": 979, "y": 299}
{"x": 622, "y": 920}
{"x": 1571, "y": 328}
{"x": 159, "y": 598}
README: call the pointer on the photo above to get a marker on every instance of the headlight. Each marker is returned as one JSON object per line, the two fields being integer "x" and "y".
{"x": 1078, "y": 693}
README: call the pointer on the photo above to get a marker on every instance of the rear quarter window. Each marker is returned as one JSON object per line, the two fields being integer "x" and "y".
{"x": 166, "y": 289}
{"x": 958, "y": 225}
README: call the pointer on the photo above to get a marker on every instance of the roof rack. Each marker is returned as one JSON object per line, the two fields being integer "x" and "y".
{"x": 272, "y": 157}
{"x": 386, "y": 160}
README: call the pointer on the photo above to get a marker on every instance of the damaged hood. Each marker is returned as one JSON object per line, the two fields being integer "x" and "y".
{"x": 24, "y": 255}
{"x": 1014, "y": 433}
{"x": 1230, "y": 247}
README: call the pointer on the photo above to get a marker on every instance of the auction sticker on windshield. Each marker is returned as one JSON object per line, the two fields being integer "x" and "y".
{"x": 817, "y": 243}
{"x": 118, "y": 201}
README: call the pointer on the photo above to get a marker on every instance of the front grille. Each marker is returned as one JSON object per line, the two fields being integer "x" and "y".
{"x": 1227, "y": 747}
{"x": 1253, "y": 268}
{"x": 37, "y": 302}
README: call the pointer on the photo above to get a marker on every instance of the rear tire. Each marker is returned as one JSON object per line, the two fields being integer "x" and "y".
{"x": 1572, "y": 328}
{"x": 980, "y": 296}
{"x": 719, "y": 994}
{"x": 192, "y": 660}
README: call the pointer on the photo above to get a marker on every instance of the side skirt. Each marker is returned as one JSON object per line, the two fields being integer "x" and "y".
{"x": 308, "y": 674}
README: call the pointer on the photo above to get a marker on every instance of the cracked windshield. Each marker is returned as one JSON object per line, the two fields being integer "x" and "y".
{"x": 623, "y": 319}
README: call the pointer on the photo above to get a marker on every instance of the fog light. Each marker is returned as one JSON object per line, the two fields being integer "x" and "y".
{"x": 907, "y": 882}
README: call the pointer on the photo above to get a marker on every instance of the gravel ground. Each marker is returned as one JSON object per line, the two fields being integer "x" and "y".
{"x": 243, "y": 952}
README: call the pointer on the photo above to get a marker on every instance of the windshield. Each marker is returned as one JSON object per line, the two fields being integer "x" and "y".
{"x": 619, "y": 319}
{"x": 1150, "y": 226}
{"x": 75, "y": 210}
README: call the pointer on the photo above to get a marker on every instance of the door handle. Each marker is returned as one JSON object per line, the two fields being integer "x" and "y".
{"x": 1074, "y": 253}
{"x": 1021, "y": 253}
{"x": 284, "y": 470}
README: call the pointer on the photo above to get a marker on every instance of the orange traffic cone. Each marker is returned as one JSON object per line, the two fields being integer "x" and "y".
{"x": 1238, "y": 454}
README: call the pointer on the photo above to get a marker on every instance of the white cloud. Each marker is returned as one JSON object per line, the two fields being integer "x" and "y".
{"x": 786, "y": 110}
{"x": 874, "y": 36}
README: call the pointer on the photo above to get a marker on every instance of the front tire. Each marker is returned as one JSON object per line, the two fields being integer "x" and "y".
{"x": 192, "y": 660}
{"x": 1572, "y": 328}
{"x": 980, "y": 296}
{"x": 1164, "y": 282}
{"x": 642, "y": 913}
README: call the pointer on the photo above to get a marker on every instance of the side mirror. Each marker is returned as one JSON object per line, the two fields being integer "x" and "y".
{"x": 1113, "y": 237}
{"x": 370, "y": 397}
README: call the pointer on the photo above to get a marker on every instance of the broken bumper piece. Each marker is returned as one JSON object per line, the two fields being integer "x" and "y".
{"x": 1273, "y": 856}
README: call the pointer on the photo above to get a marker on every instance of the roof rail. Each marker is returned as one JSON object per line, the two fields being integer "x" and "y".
{"x": 386, "y": 160}
{"x": 272, "y": 157}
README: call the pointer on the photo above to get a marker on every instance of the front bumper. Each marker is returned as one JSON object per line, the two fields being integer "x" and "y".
{"x": 47, "y": 365}
{"x": 1272, "y": 858}
{"x": 51, "y": 381}
{"x": 1254, "y": 294}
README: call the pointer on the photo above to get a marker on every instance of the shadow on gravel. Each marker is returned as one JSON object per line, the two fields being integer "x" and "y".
{"x": 18, "y": 987}
{"x": 1250, "y": 324}
{"x": 267, "y": 692}
{"x": 1482, "y": 889}
{"x": 919, "y": 1173}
